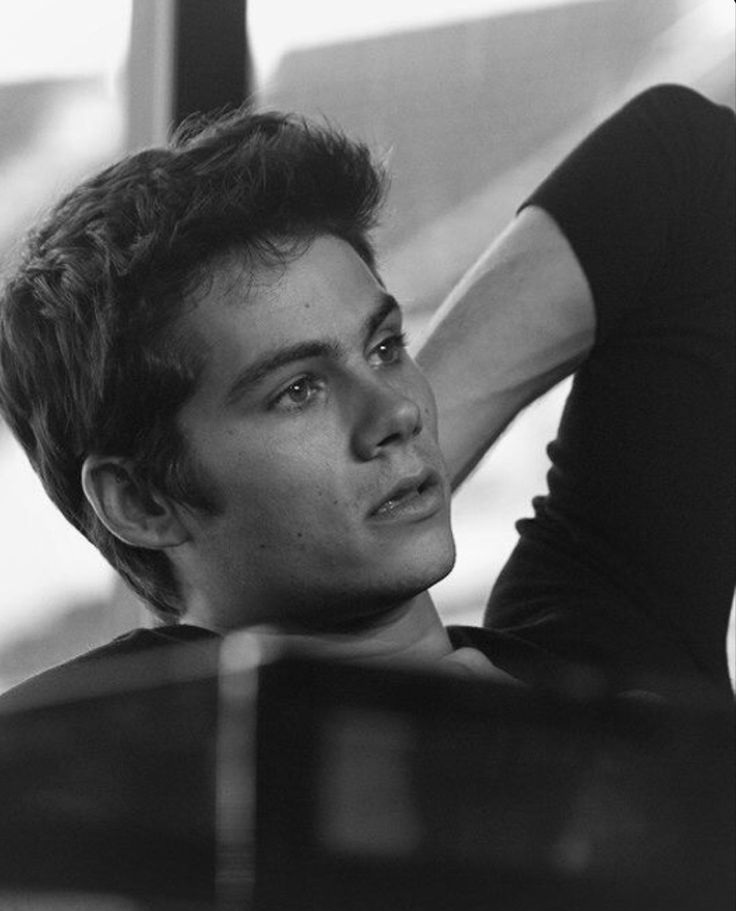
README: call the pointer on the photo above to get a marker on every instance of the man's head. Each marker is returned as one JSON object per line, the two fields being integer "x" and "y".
{"x": 147, "y": 294}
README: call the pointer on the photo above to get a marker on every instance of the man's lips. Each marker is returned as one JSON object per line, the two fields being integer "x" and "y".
{"x": 412, "y": 495}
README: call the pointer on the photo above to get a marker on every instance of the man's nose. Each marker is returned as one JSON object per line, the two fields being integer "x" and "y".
{"x": 387, "y": 415}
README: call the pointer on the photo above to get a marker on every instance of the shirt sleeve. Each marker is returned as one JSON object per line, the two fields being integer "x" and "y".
{"x": 646, "y": 201}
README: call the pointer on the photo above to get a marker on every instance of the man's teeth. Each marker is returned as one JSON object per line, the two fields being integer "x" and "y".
{"x": 391, "y": 504}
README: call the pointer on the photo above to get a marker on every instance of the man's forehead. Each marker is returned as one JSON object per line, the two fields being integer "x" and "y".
{"x": 237, "y": 275}
{"x": 325, "y": 270}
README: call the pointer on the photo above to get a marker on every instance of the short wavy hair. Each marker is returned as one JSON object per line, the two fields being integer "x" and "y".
{"x": 92, "y": 355}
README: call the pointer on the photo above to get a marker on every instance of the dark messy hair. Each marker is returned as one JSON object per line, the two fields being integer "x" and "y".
{"x": 92, "y": 356}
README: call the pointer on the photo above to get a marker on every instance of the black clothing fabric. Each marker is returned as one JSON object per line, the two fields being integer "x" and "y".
{"x": 110, "y": 659}
{"x": 628, "y": 561}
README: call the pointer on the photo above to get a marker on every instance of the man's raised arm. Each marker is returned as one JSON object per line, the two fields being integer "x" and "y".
{"x": 520, "y": 321}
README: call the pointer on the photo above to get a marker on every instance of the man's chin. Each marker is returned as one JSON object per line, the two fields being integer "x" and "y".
{"x": 354, "y": 611}
{"x": 425, "y": 564}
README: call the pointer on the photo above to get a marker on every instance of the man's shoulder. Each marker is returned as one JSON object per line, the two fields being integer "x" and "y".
{"x": 142, "y": 639}
{"x": 108, "y": 666}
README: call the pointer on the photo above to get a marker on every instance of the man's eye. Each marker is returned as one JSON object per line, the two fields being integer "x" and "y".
{"x": 299, "y": 393}
{"x": 391, "y": 349}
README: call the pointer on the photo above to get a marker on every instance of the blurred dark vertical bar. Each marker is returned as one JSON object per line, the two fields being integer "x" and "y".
{"x": 211, "y": 63}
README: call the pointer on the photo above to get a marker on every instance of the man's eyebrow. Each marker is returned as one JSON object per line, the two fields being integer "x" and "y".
{"x": 281, "y": 357}
{"x": 327, "y": 348}
{"x": 387, "y": 305}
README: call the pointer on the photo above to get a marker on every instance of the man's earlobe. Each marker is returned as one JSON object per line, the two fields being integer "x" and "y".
{"x": 128, "y": 510}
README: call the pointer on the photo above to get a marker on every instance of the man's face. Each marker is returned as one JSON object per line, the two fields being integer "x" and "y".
{"x": 316, "y": 434}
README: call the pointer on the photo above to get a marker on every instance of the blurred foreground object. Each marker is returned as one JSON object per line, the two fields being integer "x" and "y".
{"x": 285, "y": 783}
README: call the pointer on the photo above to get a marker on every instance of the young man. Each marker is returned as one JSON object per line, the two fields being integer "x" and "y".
{"x": 201, "y": 360}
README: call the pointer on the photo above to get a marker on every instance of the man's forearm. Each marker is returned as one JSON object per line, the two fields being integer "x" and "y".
{"x": 519, "y": 322}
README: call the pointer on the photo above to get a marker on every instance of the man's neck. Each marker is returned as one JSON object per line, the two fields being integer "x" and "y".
{"x": 410, "y": 632}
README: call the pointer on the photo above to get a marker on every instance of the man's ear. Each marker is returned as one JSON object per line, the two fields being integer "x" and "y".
{"x": 131, "y": 512}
